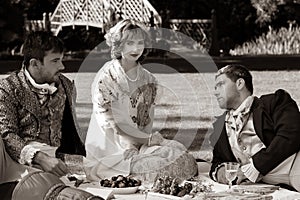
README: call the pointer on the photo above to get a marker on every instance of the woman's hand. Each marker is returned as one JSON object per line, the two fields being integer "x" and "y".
{"x": 128, "y": 153}
{"x": 155, "y": 139}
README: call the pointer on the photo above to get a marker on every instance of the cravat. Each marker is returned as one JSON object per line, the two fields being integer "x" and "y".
{"x": 234, "y": 125}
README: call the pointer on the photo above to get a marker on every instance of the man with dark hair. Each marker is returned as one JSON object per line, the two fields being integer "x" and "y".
{"x": 262, "y": 134}
{"x": 37, "y": 121}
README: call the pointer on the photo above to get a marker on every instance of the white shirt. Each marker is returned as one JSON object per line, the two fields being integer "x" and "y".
{"x": 245, "y": 143}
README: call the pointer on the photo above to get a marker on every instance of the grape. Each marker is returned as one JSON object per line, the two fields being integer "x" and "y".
{"x": 120, "y": 181}
{"x": 168, "y": 185}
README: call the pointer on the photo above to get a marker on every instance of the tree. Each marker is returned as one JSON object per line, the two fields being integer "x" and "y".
{"x": 10, "y": 33}
{"x": 235, "y": 22}
{"x": 266, "y": 10}
{"x": 34, "y": 9}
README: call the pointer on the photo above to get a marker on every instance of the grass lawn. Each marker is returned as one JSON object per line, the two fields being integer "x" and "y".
{"x": 186, "y": 107}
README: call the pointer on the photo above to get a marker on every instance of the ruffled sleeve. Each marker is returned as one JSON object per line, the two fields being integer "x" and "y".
{"x": 103, "y": 94}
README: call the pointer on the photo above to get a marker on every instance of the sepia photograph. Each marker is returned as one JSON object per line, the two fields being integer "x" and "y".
{"x": 149, "y": 99}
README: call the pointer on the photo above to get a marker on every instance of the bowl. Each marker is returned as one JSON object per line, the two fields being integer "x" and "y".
{"x": 125, "y": 190}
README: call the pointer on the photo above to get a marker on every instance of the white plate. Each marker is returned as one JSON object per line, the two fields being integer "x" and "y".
{"x": 101, "y": 192}
{"x": 159, "y": 196}
{"x": 126, "y": 190}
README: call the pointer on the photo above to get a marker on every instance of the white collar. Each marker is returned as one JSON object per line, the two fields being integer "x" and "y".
{"x": 244, "y": 107}
{"x": 45, "y": 87}
{"x": 118, "y": 63}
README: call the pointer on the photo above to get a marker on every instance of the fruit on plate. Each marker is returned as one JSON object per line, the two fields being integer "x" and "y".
{"x": 120, "y": 181}
{"x": 172, "y": 186}
{"x": 168, "y": 185}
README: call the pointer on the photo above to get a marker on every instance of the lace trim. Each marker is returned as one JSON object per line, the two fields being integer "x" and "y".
{"x": 44, "y": 88}
{"x": 250, "y": 172}
{"x": 27, "y": 154}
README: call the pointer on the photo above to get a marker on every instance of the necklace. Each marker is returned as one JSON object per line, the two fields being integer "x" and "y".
{"x": 130, "y": 79}
{"x": 133, "y": 71}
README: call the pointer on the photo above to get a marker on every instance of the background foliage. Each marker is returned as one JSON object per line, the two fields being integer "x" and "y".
{"x": 238, "y": 21}
{"x": 274, "y": 42}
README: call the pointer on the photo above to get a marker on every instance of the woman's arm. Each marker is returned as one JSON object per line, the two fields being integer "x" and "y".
{"x": 111, "y": 114}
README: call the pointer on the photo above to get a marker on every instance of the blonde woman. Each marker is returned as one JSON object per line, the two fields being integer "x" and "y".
{"x": 120, "y": 138}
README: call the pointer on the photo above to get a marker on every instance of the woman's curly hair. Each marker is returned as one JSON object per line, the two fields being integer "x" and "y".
{"x": 118, "y": 34}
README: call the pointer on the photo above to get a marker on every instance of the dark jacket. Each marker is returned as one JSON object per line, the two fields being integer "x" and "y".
{"x": 20, "y": 110}
{"x": 276, "y": 121}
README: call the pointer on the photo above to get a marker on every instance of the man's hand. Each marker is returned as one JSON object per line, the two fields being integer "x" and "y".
{"x": 50, "y": 164}
{"x": 222, "y": 178}
{"x": 128, "y": 153}
{"x": 241, "y": 177}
